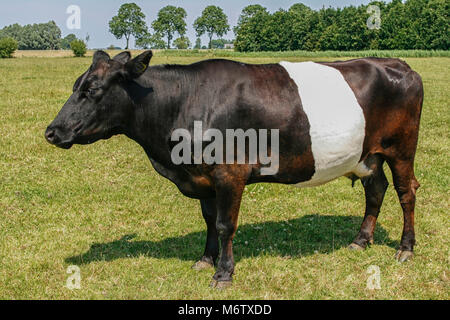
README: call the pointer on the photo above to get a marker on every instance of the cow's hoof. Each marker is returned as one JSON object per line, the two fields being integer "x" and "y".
{"x": 403, "y": 256}
{"x": 201, "y": 265}
{"x": 354, "y": 246}
{"x": 220, "y": 284}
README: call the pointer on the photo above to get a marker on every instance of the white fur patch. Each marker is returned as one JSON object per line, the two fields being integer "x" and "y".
{"x": 336, "y": 119}
{"x": 362, "y": 170}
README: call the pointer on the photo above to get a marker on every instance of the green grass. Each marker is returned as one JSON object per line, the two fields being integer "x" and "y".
{"x": 133, "y": 235}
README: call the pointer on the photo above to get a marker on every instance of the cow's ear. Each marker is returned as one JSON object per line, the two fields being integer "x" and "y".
{"x": 80, "y": 81}
{"x": 100, "y": 55}
{"x": 123, "y": 57}
{"x": 137, "y": 66}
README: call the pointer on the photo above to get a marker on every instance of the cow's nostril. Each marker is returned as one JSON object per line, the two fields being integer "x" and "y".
{"x": 50, "y": 135}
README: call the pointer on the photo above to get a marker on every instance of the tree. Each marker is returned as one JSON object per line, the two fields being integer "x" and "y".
{"x": 170, "y": 20}
{"x": 78, "y": 47}
{"x": 7, "y": 47}
{"x": 213, "y": 21}
{"x": 394, "y": 27}
{"x": 434, "y": 27}
{"x": 13, "y": 31}
{"x": 128, "y": 22}
{"x": 220, "y": 43}
{"x": 40, "y": 36}
{"x": 301, "y": 26}
{"x": 277, "y": 35}
{"x": 148, "y": 40}
{"x": 65, "y": 42}
{"x": 198, "y": 43}
{"x": 250, "y": 28}
{"x": 182, "y": 43}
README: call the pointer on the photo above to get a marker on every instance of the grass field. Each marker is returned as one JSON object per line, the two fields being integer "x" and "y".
{"x": 133, "y": 235}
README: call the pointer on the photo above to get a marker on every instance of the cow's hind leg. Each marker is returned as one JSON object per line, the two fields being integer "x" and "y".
{"x": 406, "y": 186}
{"x": 209, "y": 212}
{"x": 375, "y": 187}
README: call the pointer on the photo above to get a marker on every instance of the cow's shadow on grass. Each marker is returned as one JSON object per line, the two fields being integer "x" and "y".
{"x": 294, "y": 238}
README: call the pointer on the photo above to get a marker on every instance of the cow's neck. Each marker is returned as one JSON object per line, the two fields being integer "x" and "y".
{"x": 156, "y": 114}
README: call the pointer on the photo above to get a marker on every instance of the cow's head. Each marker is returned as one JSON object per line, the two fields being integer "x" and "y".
{"x": 100, "y": 104}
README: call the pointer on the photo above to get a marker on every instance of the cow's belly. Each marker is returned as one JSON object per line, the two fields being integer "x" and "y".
{"x": 337, "y": 123}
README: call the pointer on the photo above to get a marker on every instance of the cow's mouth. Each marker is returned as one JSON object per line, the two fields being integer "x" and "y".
{"x": 64, "y": 145}
{"x": 79, "y": 134}
{"x": 84, "y": 134}
{"x": 79, "y": 139}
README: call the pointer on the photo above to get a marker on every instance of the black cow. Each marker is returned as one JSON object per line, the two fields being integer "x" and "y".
{"x": 333, "y": 119}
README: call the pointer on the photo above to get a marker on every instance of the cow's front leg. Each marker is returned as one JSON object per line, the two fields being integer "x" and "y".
{"x": 209, "y": 212}
{"x": 228, "y": 195}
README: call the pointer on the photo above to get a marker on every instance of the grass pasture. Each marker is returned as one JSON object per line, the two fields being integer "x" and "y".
{"x": 133, "y": 235}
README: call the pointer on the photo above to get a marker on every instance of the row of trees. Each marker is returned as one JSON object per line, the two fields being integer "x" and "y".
{"x": 412, "y": 24}
{"x": 170, "y": 22}
{"x": 39, "y": 36}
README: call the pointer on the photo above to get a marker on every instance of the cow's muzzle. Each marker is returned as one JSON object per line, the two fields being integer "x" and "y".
{"x": 54, "y": 136}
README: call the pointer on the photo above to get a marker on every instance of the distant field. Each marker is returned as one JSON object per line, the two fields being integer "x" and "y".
{"x": 56, "y": 53}
{"x": 230, "y": 53}
{"x": 133, "y": 235}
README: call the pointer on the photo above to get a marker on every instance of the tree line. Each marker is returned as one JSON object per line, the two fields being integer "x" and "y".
{"x": 38, "y": 36}
{"x": 412, "y": 24}
{"x": 170, "y": 23}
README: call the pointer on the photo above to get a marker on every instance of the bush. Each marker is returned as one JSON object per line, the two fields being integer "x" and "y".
{"x": 7, "y": 47}
{"x": 78, "y": 47}
{"x": 182, "y": 43}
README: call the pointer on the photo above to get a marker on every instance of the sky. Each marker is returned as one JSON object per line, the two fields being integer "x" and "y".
{"x": 95, "y": 14}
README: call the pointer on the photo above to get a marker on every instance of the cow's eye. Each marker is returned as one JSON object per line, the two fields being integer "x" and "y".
{"x": 92, "y": 91}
